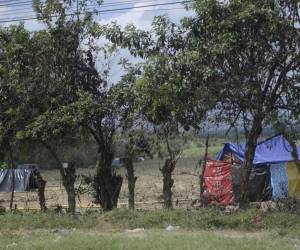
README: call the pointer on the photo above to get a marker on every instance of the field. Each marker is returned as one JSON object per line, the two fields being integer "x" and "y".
{"x": 148, "y": 187}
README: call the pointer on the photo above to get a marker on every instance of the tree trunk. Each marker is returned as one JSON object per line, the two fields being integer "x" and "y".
{"x": 168, "y": 182}
{"x": 201, "y": 177}
{"x": 249, "y": 156}
{"x": 106, "y": 183}
{"x": 69, "y": 183}
{"x": 294, "y": 152}
{"x": 41, "y": 184}
{"x": 13, "y": 178}
{"x": 131, "y": 178}
{"x": 68, "y": 179}
{"x": 12, "y": 189}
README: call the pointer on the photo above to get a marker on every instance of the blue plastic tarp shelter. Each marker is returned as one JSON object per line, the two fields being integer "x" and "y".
{"x": 271, "y": 151}
{"x": 274, "y": 152}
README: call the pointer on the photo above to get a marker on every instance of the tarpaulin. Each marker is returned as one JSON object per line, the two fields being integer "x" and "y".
{"x": 273, "y": 150}
{"x": 260, "y": 188}
{"x": 279, "y": 180}
{"x": 218, "y": 183}
{"x": 23, "y": 179}
{"x": 294, "y": 180}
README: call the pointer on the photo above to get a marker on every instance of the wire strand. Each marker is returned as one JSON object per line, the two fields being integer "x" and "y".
{"x": 29, "y": 10}
{"x": 26, "y": 18}
{"x": 29, "y": 3}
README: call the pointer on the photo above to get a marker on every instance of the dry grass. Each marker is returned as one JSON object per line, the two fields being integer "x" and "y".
{"x": 148, "y": 187}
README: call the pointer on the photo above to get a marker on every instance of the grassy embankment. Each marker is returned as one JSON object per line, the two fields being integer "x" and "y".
{"x": 201, "y": 229}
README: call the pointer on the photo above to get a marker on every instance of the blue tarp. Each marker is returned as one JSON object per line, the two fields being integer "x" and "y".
{"x": 271, "y": 151}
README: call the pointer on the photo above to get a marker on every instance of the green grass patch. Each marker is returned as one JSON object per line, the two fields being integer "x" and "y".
{"x": 199, "y": 151}
{"x": 198, "y": 229}
{"x": 205, "y": 219}
{"x": 37, "y": 220}
{"x": 152, "y": 239}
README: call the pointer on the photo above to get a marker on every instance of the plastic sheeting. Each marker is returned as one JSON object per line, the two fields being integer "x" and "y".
{"x": 24, "y": 180}
{"x": 271, "y": 151}
{"x": 279, "y": 181}
{"x": 217, "y": 183}
{"x": 260, "y": 188}
{"x": 294, "y": 180}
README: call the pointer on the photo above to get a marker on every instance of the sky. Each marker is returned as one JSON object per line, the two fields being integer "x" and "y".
{"x": 141, "y": 17}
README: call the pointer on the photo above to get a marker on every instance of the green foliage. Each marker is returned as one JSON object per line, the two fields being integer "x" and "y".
{"x": 3, "y": 165}
{"x": 247, "y": 46}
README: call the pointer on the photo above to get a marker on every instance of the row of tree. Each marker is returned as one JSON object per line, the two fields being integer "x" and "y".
{"x": 235, "y": 62}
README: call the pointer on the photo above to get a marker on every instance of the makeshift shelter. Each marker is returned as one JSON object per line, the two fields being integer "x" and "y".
{"x": 274, "y": 175}
{"x": 23, "y": 177}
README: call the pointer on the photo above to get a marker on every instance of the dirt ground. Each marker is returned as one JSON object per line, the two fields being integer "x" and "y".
{"x": 148, "y": 187}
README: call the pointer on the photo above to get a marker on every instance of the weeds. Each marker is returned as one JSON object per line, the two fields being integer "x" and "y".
{"x": 206, "y": 219}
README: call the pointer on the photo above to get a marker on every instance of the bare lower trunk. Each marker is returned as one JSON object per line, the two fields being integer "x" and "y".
{"x": 131, "y": 178}
{"x": 106, "y": 183}
{"x": 168, "y": 182}
{"x": 41, "y": 184}
{"x": 68, "y": 179}
{"x": 294, "y": 152}
{"x": 12, "y": 189}
{"x": 69, "y": 183}
{"x": 108, "y": 187}
{"x": 201, "y": 177}
{"x": 249, "y": 157}
{"x": 13, "y": 178}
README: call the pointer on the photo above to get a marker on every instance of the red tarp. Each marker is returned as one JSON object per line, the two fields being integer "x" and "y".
{"x": 218, "y": 188}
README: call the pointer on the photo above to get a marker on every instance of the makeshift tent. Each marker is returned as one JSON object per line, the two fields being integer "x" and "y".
{"x": 23, "y": 178}
{"x": 273, "y": 154}
{"x": 222, "y": 183}
{"x": 271, "y": 151}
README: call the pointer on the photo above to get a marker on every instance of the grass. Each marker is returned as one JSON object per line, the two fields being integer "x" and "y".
{"x": 154, "y": 239}
{"x": 199, "y": 229}
{"x": 199, "y": 151}
{"x": 121, "y": 219}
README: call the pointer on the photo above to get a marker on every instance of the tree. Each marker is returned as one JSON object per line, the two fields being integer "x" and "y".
{"x": 80, "y": 98}
{"x": 90, "y": 108}
{"x": 252, "y": 52}
{"x": 15, "y": 74}
{"x": 133, "y": 140}
{"x": 64, "y": 69}
{"x": 171, "y": 90}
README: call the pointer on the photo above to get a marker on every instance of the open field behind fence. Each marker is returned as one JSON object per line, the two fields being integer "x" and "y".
{"x": 148, "y": 187}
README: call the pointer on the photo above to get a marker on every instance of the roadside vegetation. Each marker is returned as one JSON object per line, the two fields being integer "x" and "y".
{"x": 208, "y": 228}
